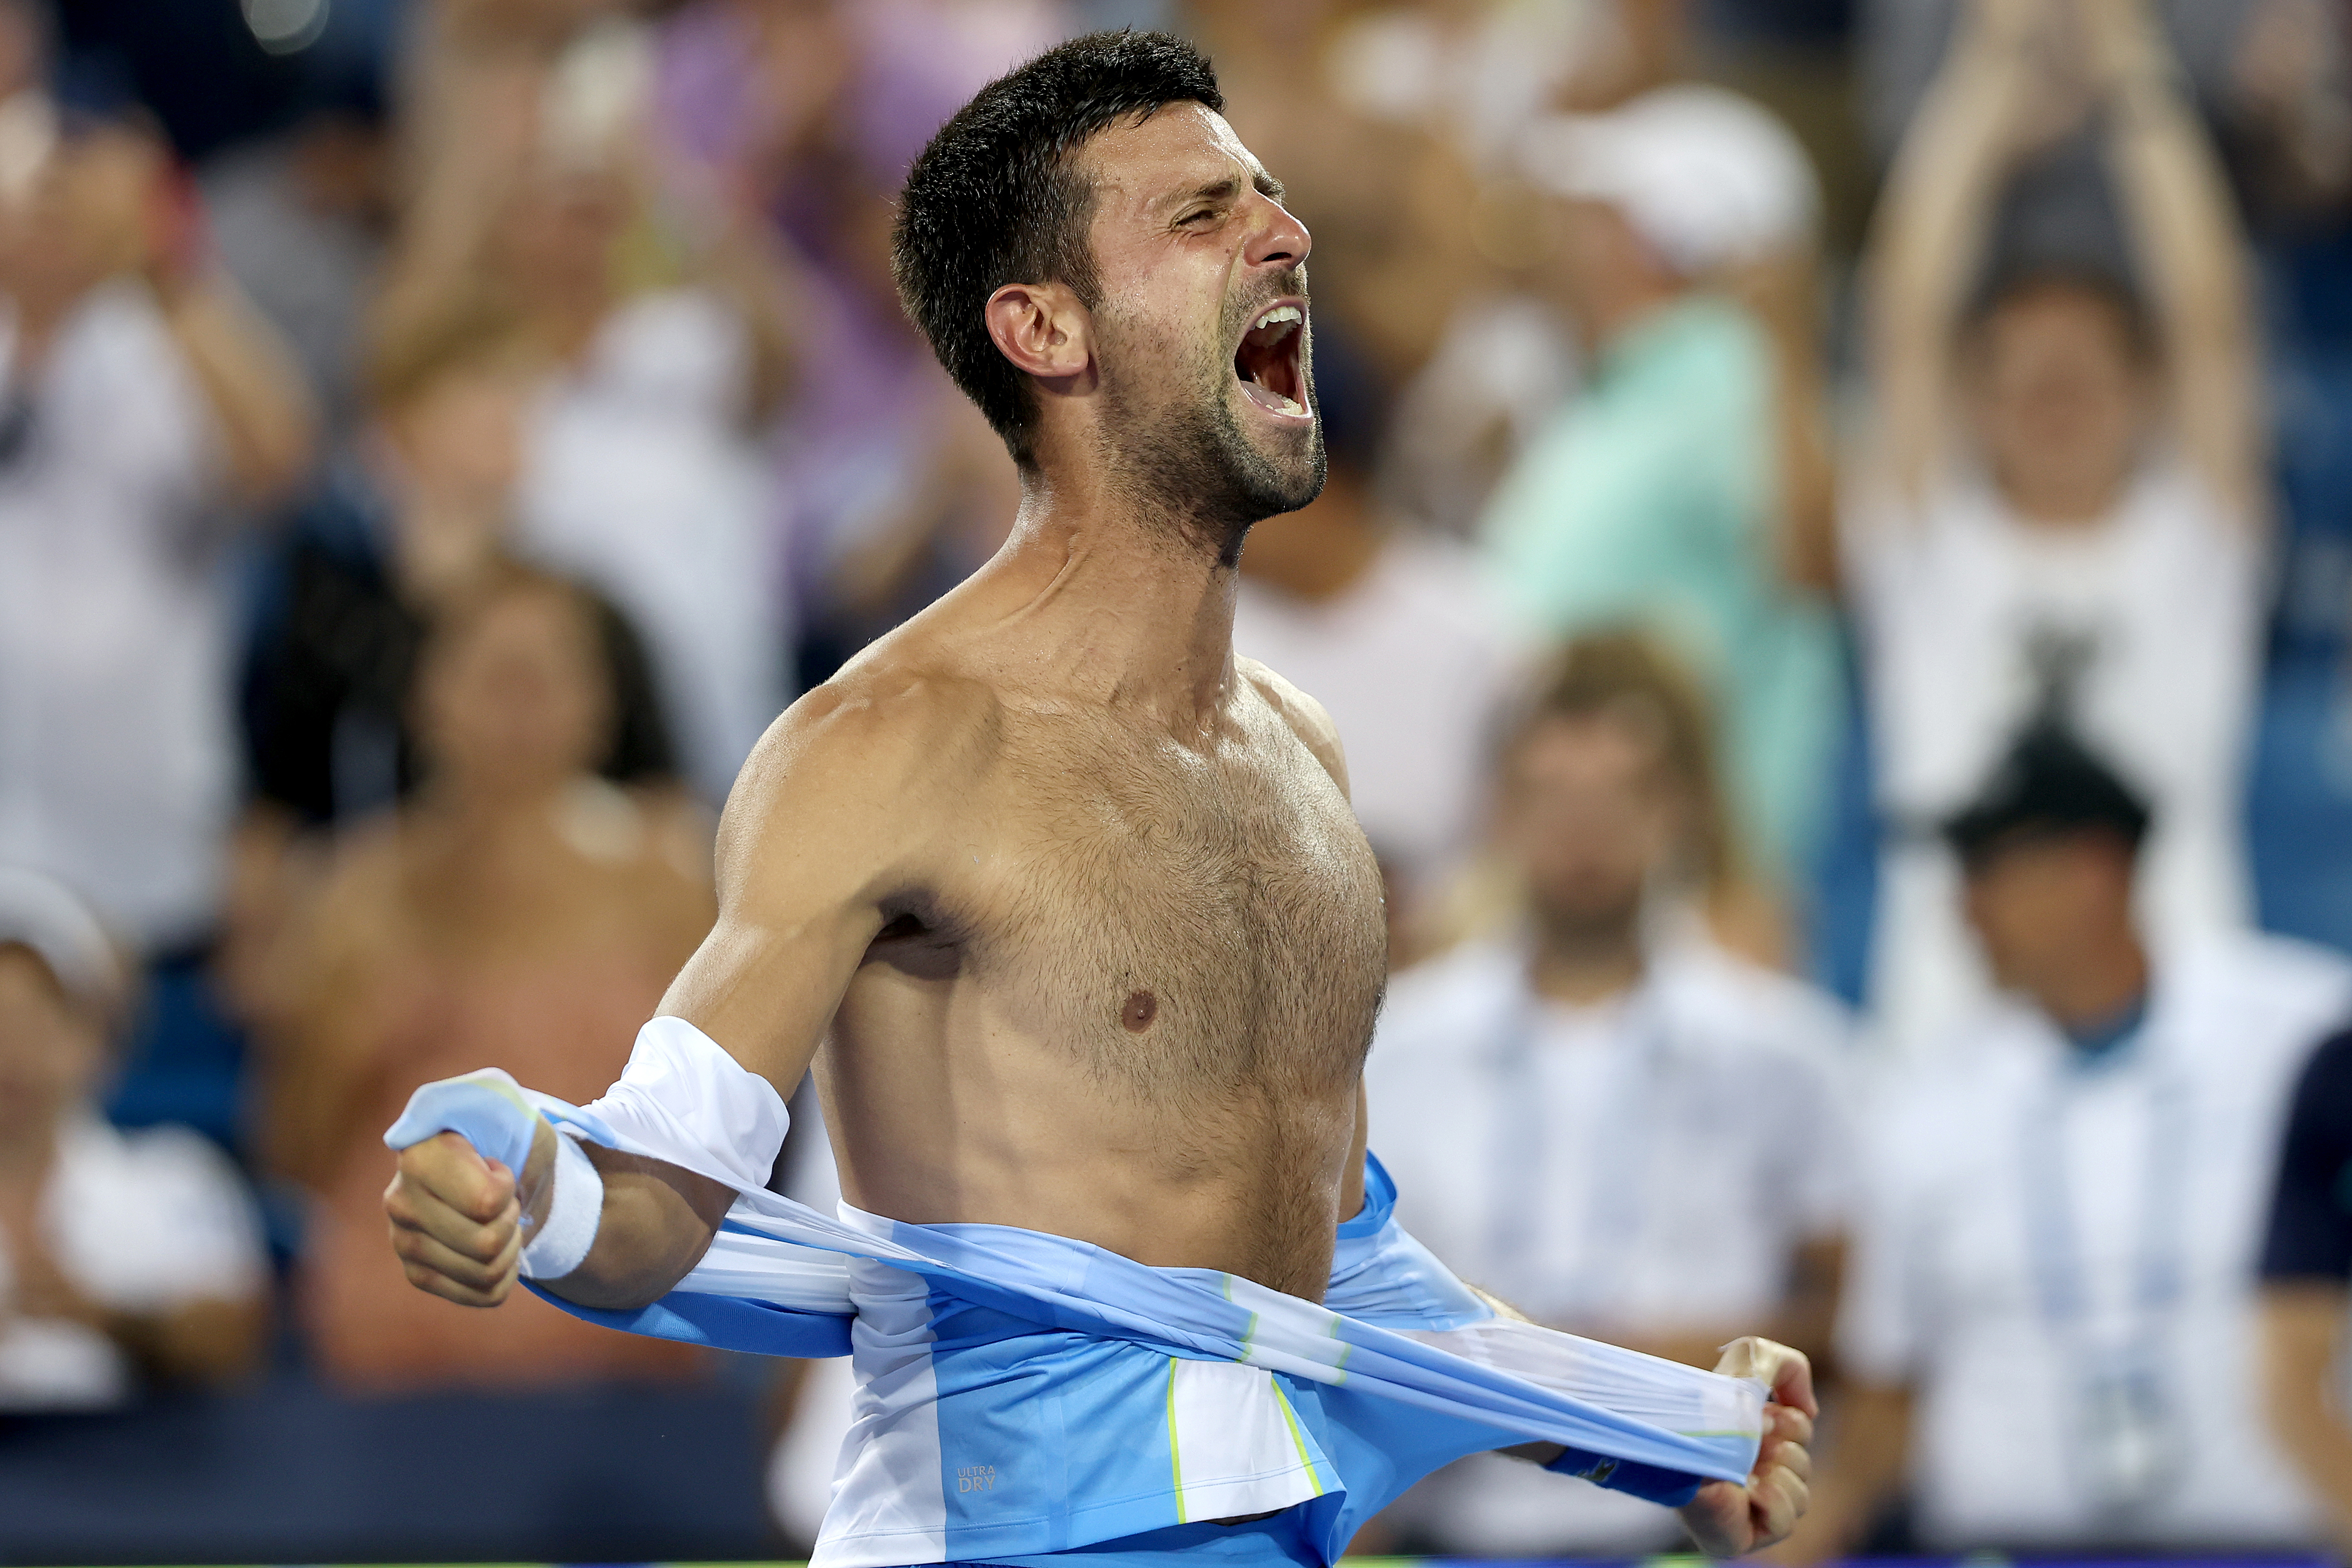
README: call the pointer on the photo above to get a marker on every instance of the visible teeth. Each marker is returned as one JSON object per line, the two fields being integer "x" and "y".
{"x": 1289, "y": 407}
{"x": 1278, "y": 315}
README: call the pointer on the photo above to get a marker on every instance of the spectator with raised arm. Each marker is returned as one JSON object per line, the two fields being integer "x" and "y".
{"x": 2066, "y": 482}
{"x": 139, "y": 401}
{"x": 667, "y": 345}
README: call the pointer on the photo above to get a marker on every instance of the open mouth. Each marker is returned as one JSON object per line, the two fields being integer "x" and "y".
{"x": 1267, "y": 362}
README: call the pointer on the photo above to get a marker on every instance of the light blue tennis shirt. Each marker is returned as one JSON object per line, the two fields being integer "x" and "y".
{"x": 1653, "y": 500}
{"x": 1021, "y": 1394}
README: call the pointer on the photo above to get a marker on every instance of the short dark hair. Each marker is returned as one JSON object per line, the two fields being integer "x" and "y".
{"x": 992, "y": 200}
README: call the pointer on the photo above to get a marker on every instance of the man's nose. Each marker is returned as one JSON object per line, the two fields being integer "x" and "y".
{"x": 1277, "y": 239}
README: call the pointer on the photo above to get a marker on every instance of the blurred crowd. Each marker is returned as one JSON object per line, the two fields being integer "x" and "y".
{"x": 1834, "y": 581}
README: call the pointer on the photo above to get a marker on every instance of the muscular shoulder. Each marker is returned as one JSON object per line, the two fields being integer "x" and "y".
{"x": 1306, "y": 718}
{"x": 877, "y": 756}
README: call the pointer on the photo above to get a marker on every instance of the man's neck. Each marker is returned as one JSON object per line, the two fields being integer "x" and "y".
{"x": 1119, "y": 599}
{"x": 2098, "y": 988}
{"x": 2067, "y": 503}
{"x": 1587, "y": 963}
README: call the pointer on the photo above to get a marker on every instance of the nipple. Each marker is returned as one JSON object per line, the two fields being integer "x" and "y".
{"x": 1140, "y": 1009}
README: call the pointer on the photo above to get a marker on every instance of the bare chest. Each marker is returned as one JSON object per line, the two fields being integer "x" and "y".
{"x": 1189, "y": 924}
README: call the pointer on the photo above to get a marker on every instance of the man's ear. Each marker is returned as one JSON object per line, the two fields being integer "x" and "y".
{"x": 1046, "y": 332}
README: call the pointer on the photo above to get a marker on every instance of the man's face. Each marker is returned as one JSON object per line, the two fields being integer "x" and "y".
{"x": 2060, "y": 404}
{"x": 1200, "y": 334}
{"x": 1588, "y": 818}
{"x": 2036, "y": 900}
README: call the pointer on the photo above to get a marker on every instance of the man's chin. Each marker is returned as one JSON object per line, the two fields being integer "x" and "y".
{"x": 1290, "y": 467}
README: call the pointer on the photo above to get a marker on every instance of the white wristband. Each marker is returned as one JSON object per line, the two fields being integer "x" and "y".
{"x": 574, "y": 1209}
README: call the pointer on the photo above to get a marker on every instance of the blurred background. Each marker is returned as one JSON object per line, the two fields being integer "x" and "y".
{"x": 1835, "y": 581}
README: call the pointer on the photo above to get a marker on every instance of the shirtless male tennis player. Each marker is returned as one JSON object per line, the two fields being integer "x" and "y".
{"x": 1063, "y": 899}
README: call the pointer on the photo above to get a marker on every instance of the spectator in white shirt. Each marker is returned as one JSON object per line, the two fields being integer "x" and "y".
{"x": 121, "y": 1255}
{"x": 1396, "y": 635}
{"x": 1611, "y": 1122}
{"x": 665, "y": 331}
{"x": 2050, "y": 1324}
{"x": 138, "y": 394}
{"x": 2076, "y": 463}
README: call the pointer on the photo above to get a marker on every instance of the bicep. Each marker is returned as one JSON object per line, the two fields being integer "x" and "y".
{"x": 766, "y": 989}
{"x": 825, "y": 824}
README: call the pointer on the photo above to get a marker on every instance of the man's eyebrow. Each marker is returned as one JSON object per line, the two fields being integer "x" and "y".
{"x": 1214, "y": 191}
{"x": 1230, "y": 186}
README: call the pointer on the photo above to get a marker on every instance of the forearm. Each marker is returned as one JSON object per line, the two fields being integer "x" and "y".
{"x": 1807, "y": 1315}
{"x": 473, "y": 121}
{"x": 2303, "y": 1329}
{"x": 266, "y": 420}
{"x": 2318, "y": 1442}
{"x": 1929, "y": 240}
{"x": 2187, "y": 241}
{"x": 1781, "y": 292}
{"x": 752, "y": 272}
{"x": 2175, "y": 198}
{"x": 656, "y": 1224}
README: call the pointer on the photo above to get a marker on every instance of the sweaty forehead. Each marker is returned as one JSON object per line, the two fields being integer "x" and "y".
{"x": 1181, "y": 149}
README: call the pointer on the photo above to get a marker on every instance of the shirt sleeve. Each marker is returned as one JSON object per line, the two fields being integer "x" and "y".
{"x": 2310, "y": 1231}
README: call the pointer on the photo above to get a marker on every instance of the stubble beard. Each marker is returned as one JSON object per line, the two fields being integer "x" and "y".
{"x": 1188, "y": 458}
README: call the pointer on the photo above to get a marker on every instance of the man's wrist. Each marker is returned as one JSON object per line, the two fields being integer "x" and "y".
{"x": 575, "y": 1208}
{"x": 535, "y": 1182}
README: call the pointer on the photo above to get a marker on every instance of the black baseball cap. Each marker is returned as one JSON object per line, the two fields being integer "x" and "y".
{"x": 2049, "y": 783}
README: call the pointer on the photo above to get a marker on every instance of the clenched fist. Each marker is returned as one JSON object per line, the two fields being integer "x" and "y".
{"x": 457, "y": 1218}
{"x": 1728, "y": 1520}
